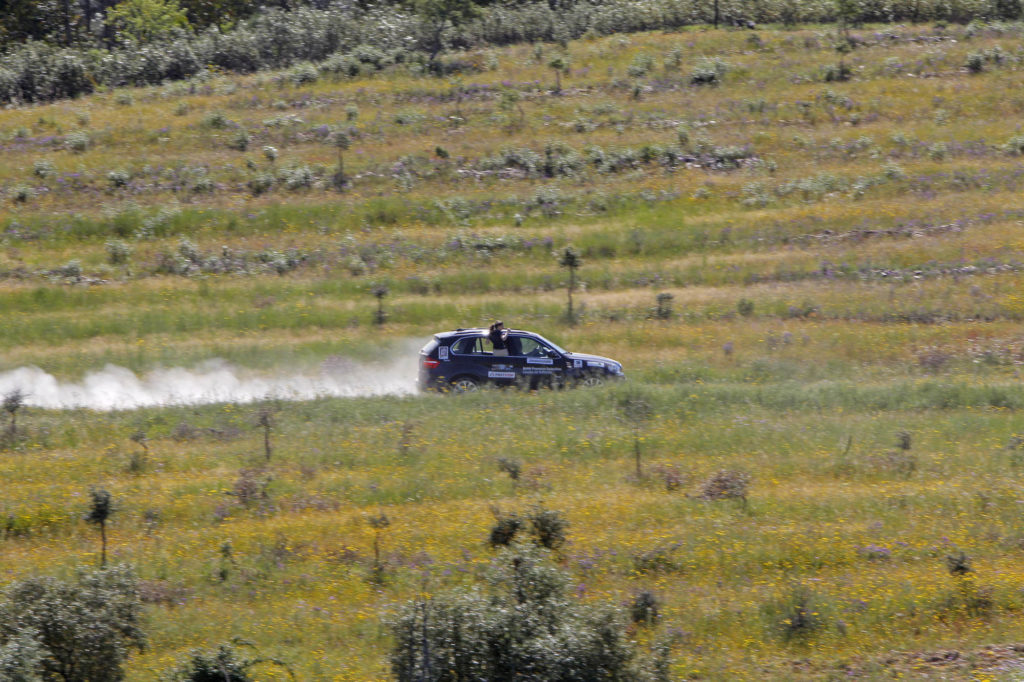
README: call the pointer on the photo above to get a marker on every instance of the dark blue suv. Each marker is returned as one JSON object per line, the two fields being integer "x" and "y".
{"x": 464, "y": 360}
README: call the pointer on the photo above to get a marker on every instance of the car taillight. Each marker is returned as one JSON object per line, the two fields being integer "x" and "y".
{"x": 431, "y": 363}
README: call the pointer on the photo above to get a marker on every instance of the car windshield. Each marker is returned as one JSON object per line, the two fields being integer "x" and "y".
{"x": 553, "y": 345}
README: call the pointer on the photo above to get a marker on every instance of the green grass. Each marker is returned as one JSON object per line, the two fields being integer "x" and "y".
{"x": 873, "y": 243}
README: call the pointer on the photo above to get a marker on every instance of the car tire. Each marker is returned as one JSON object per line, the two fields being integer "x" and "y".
{"x": 592, "y": 379}
{"x": 465, "y": 384}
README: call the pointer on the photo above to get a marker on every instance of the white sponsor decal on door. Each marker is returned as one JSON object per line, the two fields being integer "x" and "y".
{"x": 501, "y": 375}
{"x": 539, "y": 361}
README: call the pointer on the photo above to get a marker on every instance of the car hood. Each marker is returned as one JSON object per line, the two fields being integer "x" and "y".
{"x": 596, "y": 361}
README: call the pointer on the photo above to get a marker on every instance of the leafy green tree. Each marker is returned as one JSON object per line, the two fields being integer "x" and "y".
{"x": 22, "y": 20}
{"x": 56, "y": 631}
{"x": 223, "y": 13}
{"x": 147, "y": 20}
{"x": 439, "y": 18}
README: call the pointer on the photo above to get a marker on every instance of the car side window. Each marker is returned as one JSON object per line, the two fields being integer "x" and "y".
{"x": 473, "y": 345}
{"x": 524, "y": 345}
{"x": 466, "y": 346}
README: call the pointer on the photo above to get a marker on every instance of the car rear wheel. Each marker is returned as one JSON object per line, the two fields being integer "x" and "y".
{"x": 465, "y": 384}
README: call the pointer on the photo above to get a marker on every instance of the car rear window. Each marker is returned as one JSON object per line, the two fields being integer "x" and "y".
{"x": 469, "y": 345}
{"x": 429, "y": 348}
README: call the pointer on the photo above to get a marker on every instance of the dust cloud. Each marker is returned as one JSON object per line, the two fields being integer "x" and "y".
{"x": 214, "y": 381}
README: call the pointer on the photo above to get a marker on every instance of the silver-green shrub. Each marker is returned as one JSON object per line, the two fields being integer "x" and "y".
{"x": 523, "y": 627}
{"x": 81, "y": 631}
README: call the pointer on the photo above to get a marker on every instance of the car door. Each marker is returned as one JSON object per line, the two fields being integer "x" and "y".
{"x": 473, "y": 356}
{"x": 536, "y": 362}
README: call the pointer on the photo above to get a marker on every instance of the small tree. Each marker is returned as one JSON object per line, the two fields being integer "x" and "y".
{"x": 341, "y": 141}
{"x": 265, "y": 420}
{"x": 70, "y": 632}
{"x": 379, "y": 523}
{"x": 569, "y": 258}
{"x": 380, "y": 291}
{"x": 559, "y": 64}
{"x": 137, "y": 460}
{"x": 636, "y": 411}
{"x": 99, "y": 513}
{"x": 663, "y": 311}
{"x": 144, "y": 21}
{"x": 13, "y": 402}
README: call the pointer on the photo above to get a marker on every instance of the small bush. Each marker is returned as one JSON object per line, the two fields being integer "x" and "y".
{"x": 297, "y": 177}
{"x": 21, "y": 194}
{"x": 645, "y": 609}
{"x": 118, "y": 251}
{"x": 642, "y": 65}
{"x": 938, "y": 151}
{"x": 512, "y": 467}
{"x": 43, "y": 169}
{"x": 659, "y": 559}
{"x": 726, "y": 485}
{"x": 77, "y": 141}
{"x": 118, "y": 178}
{"x": 217, "y": 120}
{"x": 303, "y": 74}
{"x": 670, "y": 475}
{"x": 796, "y": 616}
{"x": 975, "y": 62}
{"x": 837, "y": 73}
{"x": 223, "y": 664}
{"x": 709, "y": 72}
{"x": 548, "y": 527}
{"x": 260, "y": 183}
{"x": 465, "y": 635}
{"x": 504, "y": 530}
{"x": 239, "y": 141}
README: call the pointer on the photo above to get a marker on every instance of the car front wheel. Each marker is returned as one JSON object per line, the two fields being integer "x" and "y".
{"x": 592, "y": 379}
{"x": 465, "y": 385}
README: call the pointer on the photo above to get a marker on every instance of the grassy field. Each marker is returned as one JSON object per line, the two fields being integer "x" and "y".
{"x": 845, "y": 259}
